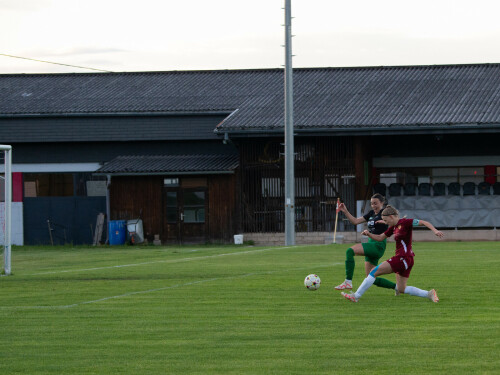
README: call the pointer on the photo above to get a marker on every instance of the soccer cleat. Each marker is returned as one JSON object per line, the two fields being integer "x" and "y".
{"x": 350, "y": 297}
{"x": 343, "y": 286}
{"x": 432, "y": 295}
{"x": 396, "y": 292}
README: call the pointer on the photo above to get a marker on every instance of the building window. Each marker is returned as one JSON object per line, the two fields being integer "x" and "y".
{"x": 172, "y": 207}
{"x": 48, "y": 184}
{"x": 63, "y": 185}
{"x": 170, "y": 182}
{"x": 194, "y": 207}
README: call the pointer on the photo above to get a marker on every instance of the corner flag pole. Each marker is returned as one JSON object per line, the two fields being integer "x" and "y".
{"x": 336, "y": 219}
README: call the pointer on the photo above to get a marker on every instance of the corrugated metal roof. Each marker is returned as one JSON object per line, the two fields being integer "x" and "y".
{"x": 324, "y": 98}
{"x": 141, "y": 92}
{"x": 381, "y": 97}
{"x": 170, "y": 164}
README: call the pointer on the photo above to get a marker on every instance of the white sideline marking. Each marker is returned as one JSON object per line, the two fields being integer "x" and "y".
{"x": 162, "y": 261}
{"x": 160, "y": 289}
{"x": 458, "y": 250}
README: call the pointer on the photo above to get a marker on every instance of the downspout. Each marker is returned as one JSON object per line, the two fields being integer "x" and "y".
{"x": 108, "y": 206}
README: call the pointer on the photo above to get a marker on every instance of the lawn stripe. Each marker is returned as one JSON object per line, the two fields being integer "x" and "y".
{"x": 165, "y": 288}
{"x": 163, "y": 261}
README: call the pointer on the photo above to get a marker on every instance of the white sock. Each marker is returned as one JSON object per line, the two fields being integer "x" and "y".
{"x": 367, "y": 282}
{"x": 411, "y": 290}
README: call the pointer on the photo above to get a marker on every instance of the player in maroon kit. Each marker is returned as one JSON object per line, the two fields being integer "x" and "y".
{"x": 402, "y": 262}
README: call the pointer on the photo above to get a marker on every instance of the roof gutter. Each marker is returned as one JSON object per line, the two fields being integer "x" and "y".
{"x": 117, "y": 114}
{"x": 358, "y": 131}
{"x": 160, "y": 173}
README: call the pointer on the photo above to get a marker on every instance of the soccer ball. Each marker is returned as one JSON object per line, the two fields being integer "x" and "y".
{"x": 312, "y": 282}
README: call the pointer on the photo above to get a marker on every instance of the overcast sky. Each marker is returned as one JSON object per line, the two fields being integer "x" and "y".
{"x": 155, "y": 35}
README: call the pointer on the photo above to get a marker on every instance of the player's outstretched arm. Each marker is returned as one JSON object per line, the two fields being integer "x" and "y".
{"x": 352, "y": 219}
{"x": 431, "y": 227}
{"x": 376, "y": 237}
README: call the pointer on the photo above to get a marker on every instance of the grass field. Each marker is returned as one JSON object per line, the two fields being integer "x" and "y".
{"x": 244, "y": 310}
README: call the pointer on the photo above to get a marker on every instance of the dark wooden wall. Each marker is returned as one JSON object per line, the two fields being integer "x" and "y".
{"x": 132, "y": 194}
{"x": 222, "y": 208}
{"x": 363, "y": 166}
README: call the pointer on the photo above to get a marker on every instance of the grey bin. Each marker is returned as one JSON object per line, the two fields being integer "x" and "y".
{"x": 135, "y": 231}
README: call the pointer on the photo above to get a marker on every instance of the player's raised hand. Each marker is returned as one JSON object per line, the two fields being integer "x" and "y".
{"x": 439, "y": 234}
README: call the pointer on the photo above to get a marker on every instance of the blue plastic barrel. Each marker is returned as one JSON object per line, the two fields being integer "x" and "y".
{"x": 117, "y": 232}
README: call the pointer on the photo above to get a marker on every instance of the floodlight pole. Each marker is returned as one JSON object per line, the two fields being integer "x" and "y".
{"x": 289, "y": 149}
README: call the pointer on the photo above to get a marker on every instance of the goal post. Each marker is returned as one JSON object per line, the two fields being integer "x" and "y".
{"x": 6, "y": 207}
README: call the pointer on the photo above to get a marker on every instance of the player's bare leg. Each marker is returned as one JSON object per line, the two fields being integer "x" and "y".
{"x": 413, "y": 291}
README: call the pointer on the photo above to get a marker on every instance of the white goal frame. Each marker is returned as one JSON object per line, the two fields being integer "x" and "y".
{"x": 7, "y": 154}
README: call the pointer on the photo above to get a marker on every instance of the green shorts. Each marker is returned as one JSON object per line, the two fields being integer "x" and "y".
{"x": 374, "y": 250}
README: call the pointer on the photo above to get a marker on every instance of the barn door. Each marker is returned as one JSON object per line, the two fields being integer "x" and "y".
{"x": 185, "y": 215}
{"x": 192, "y": 210}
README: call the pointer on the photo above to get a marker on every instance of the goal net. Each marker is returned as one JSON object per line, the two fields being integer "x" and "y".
{"x": 5, "y": 206}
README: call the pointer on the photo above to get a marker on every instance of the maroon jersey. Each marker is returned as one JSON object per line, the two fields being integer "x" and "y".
{"x": 402, "y": 234}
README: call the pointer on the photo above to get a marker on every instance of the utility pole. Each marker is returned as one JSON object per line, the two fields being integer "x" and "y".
{"x": 289, "y": 147}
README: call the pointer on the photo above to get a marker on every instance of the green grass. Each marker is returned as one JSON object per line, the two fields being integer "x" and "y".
{"x": 244, "y": 310}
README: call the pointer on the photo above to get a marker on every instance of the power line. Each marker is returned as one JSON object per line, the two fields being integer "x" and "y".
{"x": 50, "y": 62}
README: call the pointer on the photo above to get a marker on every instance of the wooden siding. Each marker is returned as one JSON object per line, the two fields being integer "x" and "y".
{"x": 129, "y": 195}
{"x": 222, "y": 208}
{"x": 42, "y": 129}
{"x": 363, "y": 162}
{"x": 132, "y": 194}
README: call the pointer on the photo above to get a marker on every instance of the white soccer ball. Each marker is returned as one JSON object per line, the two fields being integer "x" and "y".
{"x": 312, "y": 282}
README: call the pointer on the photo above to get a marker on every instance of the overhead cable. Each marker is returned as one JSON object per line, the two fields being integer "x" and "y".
{"x": 51, "y": 62}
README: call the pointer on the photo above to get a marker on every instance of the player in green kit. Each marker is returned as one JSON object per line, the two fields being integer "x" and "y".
{"x": 372, "y": 250}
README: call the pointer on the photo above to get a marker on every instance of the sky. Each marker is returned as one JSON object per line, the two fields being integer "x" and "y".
{"x": 162, "y": 35}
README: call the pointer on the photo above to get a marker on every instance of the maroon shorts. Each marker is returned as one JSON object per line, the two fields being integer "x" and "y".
{"x": 401, "y": 265}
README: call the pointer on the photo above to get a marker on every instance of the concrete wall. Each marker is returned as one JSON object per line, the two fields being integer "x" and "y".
{"x": 320, "y": 238}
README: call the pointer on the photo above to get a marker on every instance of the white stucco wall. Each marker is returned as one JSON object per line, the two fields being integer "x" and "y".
{"x": 17, "y": 236}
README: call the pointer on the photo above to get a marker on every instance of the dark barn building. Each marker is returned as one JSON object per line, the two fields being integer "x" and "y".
{"x": 198, "y": 155}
